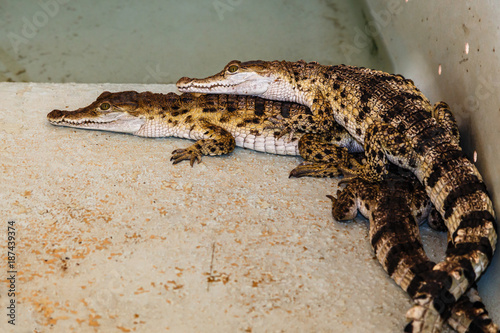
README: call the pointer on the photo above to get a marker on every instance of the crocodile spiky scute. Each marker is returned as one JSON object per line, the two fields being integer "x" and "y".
{"x": 395, "y": 207}
{"x": 394, "y": 122}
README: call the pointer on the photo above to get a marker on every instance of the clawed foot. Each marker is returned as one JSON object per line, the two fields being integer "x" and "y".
{"x": 311, "y": 169}
{"x": 349, "y": 169}
{"x": 189, "y": 153}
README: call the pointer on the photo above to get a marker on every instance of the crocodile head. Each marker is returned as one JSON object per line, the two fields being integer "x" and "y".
{"x": 115, "y": 112}
{"x": 266, "y": 79}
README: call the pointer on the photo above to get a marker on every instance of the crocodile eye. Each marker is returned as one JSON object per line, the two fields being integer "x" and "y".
{"x": 232, "y": 68}
{"x": 105, "y": 106}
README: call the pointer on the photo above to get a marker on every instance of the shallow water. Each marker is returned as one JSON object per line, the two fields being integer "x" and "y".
{"x": 160, "y": 41}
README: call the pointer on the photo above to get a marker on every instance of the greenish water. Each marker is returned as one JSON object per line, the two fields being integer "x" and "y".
{"x": 159, "y": 41}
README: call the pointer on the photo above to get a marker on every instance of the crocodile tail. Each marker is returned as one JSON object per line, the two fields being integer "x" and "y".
{"x": 395, "y": 238}
{"x": 474, "y": 317}
{"x": 468, "y": 314}
{"x": 459, "y": 194}
{"x": 399, "y": 249}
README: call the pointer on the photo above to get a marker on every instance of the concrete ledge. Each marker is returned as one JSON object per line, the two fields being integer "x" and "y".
{"x": 111, "y": 237}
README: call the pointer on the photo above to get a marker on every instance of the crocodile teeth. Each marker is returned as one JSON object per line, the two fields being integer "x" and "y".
{"x": 207, "y": 86}
{"x": 212, "y": 86}
{"x": 82, "y": 121}
{"x": 92, "y": 122}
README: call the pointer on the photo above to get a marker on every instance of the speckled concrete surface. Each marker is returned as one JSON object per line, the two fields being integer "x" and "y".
{"x": 111, "y": 237}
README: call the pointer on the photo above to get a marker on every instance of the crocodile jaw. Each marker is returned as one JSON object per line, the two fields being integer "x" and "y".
{"x": 266, "y": 79}
{"x": 254, "y": 85}
{"x": 240, "y": 84}
{"x": 112, "y": 122}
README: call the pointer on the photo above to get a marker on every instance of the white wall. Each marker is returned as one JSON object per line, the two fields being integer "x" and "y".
{"x": 451, "y": 49}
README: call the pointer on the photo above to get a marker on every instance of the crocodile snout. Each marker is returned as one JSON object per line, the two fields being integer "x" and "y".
{"x": 184, "y": 80}
{"x": 55, "y": 115}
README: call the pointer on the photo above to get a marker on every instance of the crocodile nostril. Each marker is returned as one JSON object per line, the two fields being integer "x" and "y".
{"x": 184, "y": 80}
{"x": 55, "y": 114}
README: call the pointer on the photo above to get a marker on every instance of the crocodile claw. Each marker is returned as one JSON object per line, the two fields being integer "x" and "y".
{"x": 179, "y": 155}
{"x": 332, "y": 198}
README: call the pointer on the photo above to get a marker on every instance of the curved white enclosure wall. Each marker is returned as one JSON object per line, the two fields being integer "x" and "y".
{"x": 451, "y": 50}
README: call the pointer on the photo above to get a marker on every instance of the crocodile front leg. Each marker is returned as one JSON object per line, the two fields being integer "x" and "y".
{"x": 325, "y": 156}
{"x": 214, "y": 141}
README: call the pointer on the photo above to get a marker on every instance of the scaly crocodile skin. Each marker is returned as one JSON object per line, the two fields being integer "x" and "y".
{"x": 157, "y": 115}
{"x": 395, "y": 207}
{"x": 394, "y": 122}
{"x": 217, "y": 122}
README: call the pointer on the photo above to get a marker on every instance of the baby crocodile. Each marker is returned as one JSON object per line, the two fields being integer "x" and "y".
{"x": 395, "y": 123}
{"x": 218, "y": 123}
{"x": 395, "y": 207}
